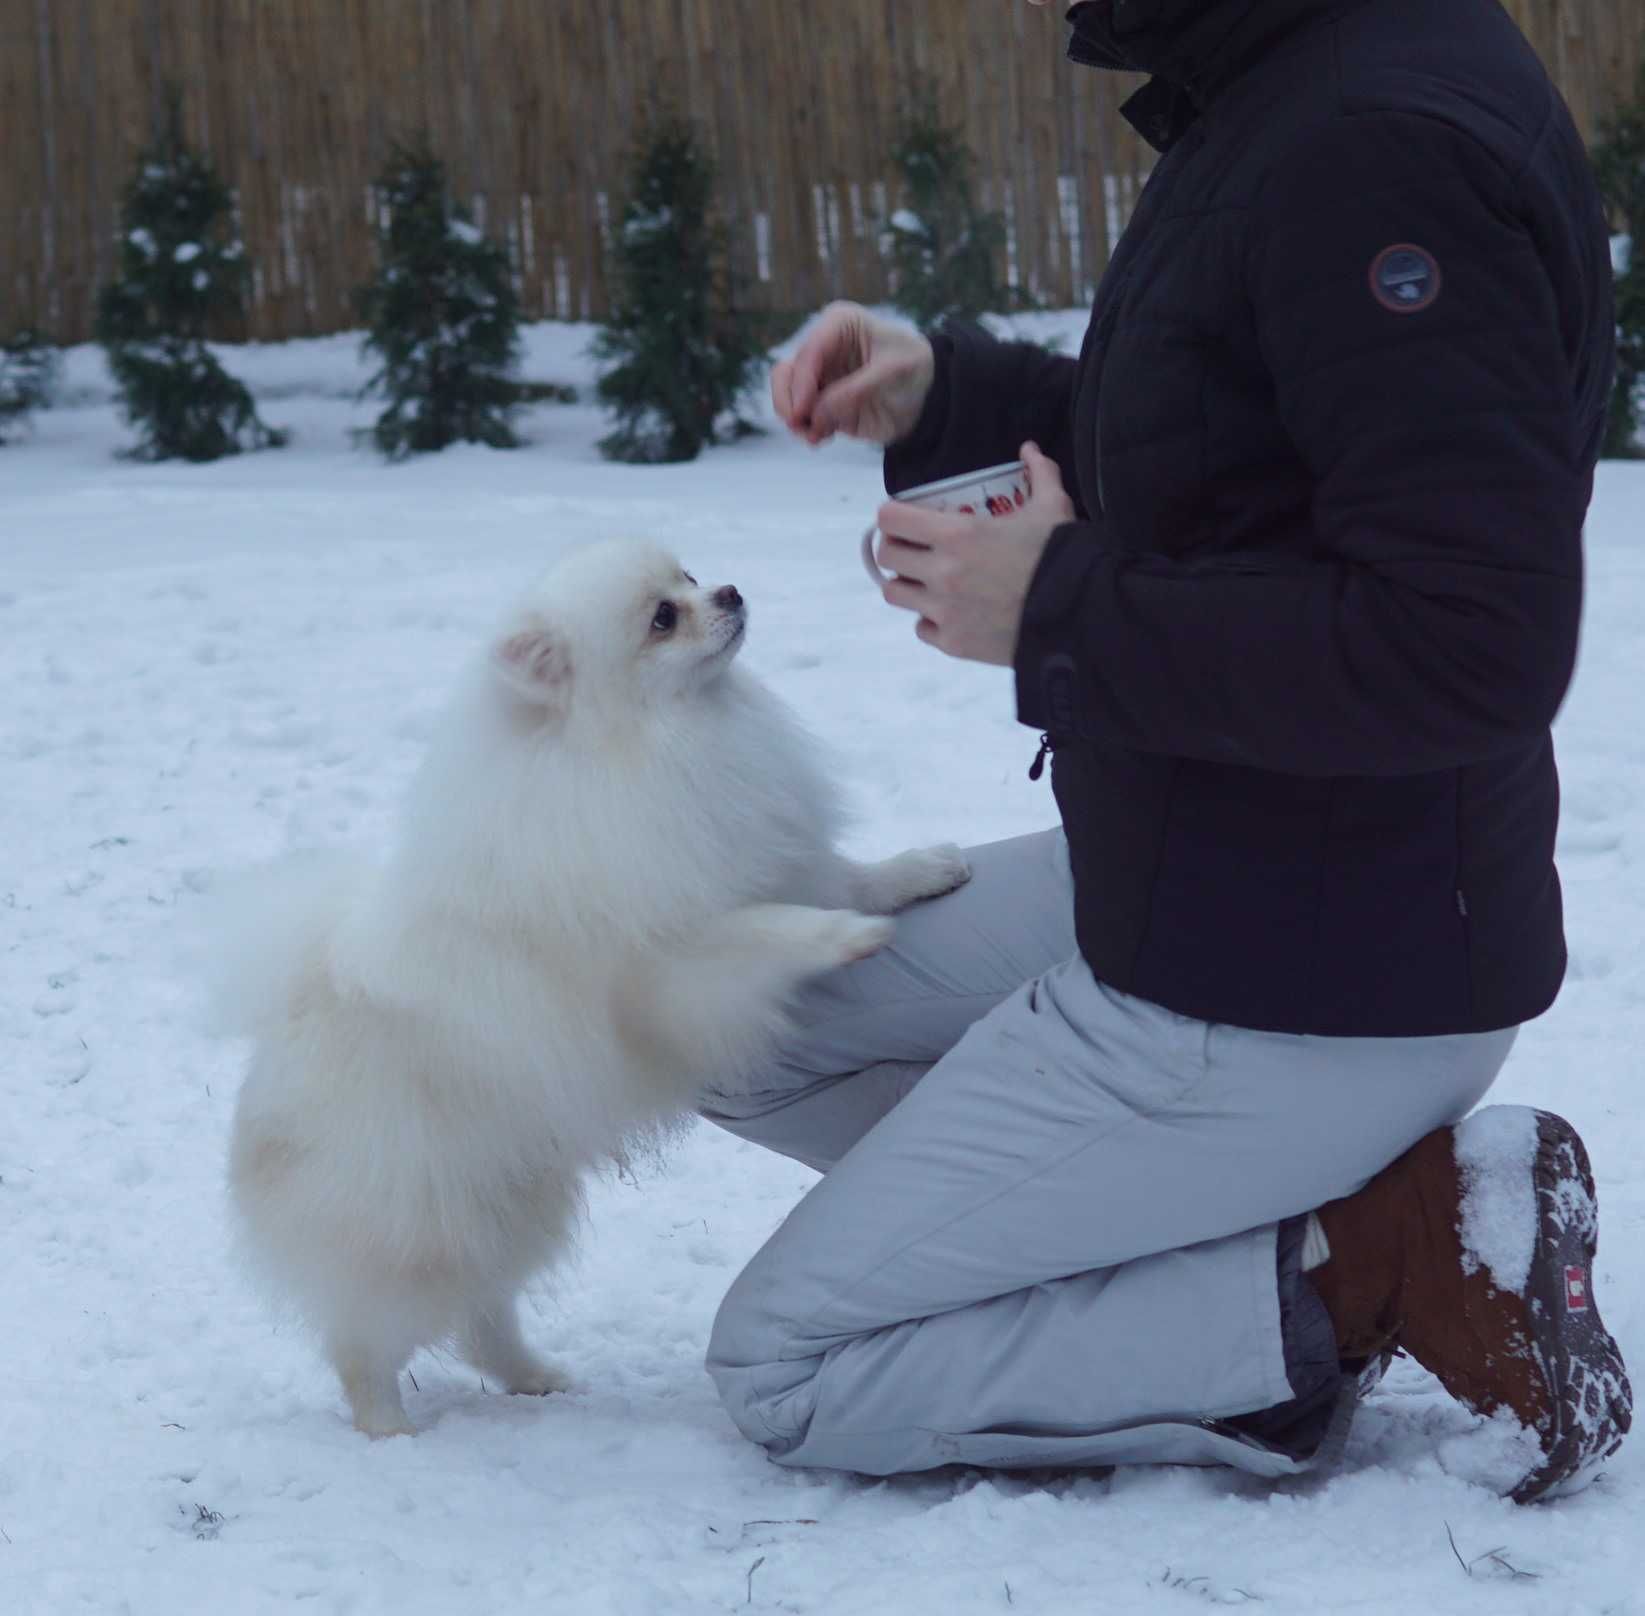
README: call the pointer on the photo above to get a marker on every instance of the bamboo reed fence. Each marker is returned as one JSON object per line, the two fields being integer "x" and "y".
{"x": 534, "y": 104}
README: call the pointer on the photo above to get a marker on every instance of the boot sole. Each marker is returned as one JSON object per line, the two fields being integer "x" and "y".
{"x": 1592, "y": 1402}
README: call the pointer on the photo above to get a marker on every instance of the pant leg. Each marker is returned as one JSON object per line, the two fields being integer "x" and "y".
{"x": 863, "y": 1036}
{"x": 1060, "y": 1248}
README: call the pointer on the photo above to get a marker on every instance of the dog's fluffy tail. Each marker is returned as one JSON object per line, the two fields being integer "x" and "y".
{"x": 263, "y": 928}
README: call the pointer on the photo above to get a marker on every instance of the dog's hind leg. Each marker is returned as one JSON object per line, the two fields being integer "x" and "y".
{"x": 491, "y": 1341}
{"x": 370, "y": 1373}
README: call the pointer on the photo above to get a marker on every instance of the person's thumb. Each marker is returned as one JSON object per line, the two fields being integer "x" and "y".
{"x": 1044, "y": 474}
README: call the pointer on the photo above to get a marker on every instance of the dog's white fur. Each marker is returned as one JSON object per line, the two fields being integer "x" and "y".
{"x": 615, "y": 866}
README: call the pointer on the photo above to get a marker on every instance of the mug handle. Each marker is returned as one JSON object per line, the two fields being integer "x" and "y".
{"x": 880, "y": 577}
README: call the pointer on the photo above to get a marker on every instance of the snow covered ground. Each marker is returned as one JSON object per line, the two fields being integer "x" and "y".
{"x": 205, "y": 665}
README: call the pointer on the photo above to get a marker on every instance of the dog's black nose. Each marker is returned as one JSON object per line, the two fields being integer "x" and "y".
{"x": 727, "y": 599}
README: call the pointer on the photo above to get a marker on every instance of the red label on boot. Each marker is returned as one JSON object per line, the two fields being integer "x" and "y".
{"x": 1576, "y": 1290}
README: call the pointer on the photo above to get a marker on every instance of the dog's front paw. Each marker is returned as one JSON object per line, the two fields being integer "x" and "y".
{"x": 855, "y": 937}
{"x": 922, "y": 872}
{"x": 932, "y": 871}
{"x": 810, "y": 941}
{"x": 829, "y": 938}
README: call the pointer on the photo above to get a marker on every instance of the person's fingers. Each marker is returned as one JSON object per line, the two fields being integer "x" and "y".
{"x": 906, "y": 596}
{"x": 825, "y": 352}
{"x": 843, "y": 404}
{"x": 825, "y": 421}
{"x": 911, "y": 561}
{"x": 803, "y": 374}
{"x": 782, "y": 392}
{"x": 918, "y": 525}
{"x": 930, "y": 633}
{"x": 1044, "y": 475}
{"x": 1037, "y": 460}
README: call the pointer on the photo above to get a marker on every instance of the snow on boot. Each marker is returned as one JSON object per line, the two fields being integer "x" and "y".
{"x": 1474, "y": 1253}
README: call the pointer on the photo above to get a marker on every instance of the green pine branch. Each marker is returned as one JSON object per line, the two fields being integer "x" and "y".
{"x": 181, "y": 268}
{"x": 1619, "y": 164}
{"x": 442, "y": 317}
{"x": 945, "y": 251}
{"x": 682, "y": 353}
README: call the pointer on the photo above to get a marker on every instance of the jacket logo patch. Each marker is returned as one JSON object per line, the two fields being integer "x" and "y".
{"x": 1405, "y": 279}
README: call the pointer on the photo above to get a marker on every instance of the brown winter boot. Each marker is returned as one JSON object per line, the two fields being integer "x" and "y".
{"x": 1474, "y": 1253}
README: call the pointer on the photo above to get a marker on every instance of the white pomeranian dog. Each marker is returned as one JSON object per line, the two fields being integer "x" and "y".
{"x": 614, "y": 869}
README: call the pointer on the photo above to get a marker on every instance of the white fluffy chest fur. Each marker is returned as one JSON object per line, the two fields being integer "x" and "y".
{"x": 532, "y": 872}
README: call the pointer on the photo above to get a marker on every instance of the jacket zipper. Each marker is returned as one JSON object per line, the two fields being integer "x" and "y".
{"x": 1037, "y": 767}
{"x": 1104, "y": 335}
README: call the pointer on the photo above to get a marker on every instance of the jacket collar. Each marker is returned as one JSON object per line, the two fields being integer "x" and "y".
{"x": 1190, "y": 48}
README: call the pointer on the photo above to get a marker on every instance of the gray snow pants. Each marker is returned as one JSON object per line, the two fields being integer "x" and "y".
{"x": 1048, "y": 1230}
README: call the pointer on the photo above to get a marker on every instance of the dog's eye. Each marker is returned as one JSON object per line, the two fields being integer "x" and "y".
{"x": 689, "y": 579}
{"x": 668, "y": 614}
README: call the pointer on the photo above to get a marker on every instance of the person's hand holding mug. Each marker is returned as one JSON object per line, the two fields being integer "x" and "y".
{"x": 854, "y": 373}
{"x": 965, "y": 576}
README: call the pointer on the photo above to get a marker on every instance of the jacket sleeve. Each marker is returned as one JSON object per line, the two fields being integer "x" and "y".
{"x": 987, "y": 399}
{"x": 1422, "y": 613}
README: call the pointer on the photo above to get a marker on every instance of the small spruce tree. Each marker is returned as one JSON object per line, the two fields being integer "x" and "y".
{"x": 944, "y": 249}
{"x": 442, "y": 314}
{"x": 181, "y": 268}
{"x": 28, "y": 367}
{"x": 683, "y": 352}
{"x": 1619, "y": 162}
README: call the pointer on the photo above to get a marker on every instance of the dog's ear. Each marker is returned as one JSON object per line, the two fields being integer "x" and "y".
{"x": 534, "y": 664}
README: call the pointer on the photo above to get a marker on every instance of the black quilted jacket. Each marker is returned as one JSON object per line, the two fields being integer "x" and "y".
{"x": 1331, "y": 438}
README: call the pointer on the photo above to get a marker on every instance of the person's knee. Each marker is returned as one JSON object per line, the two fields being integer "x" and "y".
{"x": 767, "y": 1393}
